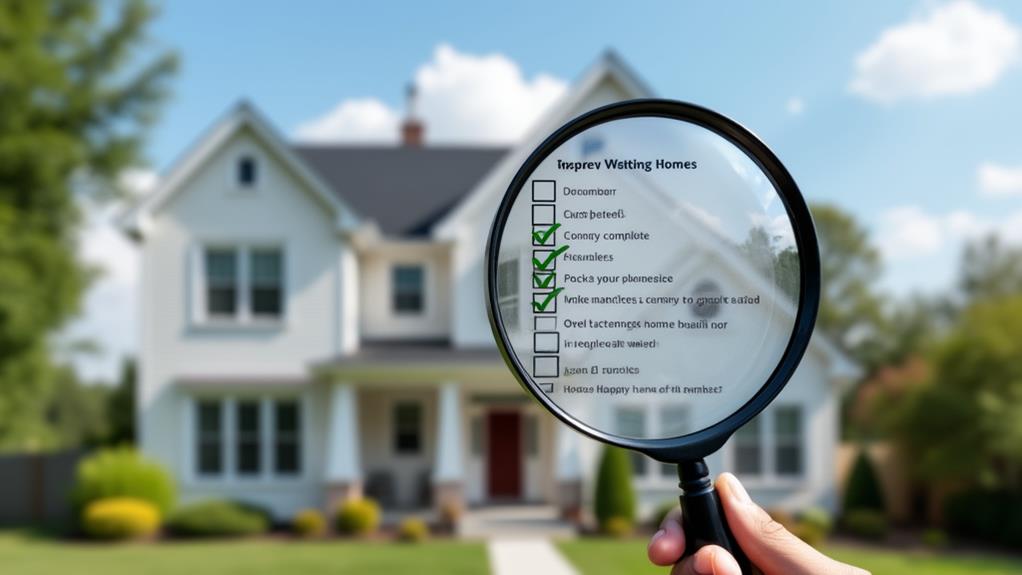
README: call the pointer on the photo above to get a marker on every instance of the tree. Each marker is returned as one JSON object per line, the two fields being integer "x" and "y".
{"x": 863, "y": 491}
{"x": 74, "y": 107}
{"x": 990, "y": 269}
{"x": 851, "y": 310}
{"x": 966, "y": 422}
{"x": 121, "y": 405}
{"x": 614, "y": 496}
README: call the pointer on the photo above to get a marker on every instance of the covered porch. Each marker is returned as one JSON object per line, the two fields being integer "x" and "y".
{"x": 431, "y": 427}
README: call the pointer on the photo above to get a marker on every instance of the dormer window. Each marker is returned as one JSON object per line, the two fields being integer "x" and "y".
{"x": 247, "y": 172}
{"x": 408, "y": 287}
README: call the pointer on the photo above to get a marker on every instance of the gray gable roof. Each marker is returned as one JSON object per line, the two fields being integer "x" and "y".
{"x": 405, "y": 190}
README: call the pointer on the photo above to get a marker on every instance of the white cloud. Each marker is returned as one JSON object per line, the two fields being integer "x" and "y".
{"x": 461, "y": 97}
{"x": 360, "y": 119}
{"x": 999, "y": 181}
{"x": 795, "y": 105}
{"x": 954, "y": 48}
{"x": 109, "y": 309}
{"x": 909, "y": 232}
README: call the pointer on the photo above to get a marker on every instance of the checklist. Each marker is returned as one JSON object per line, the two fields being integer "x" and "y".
{"x": 546, "y": 340}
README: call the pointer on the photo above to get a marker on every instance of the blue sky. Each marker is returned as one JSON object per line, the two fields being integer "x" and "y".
{"x": 905, "y": 113}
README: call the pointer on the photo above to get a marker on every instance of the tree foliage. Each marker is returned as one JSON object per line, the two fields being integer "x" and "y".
{"x": 615, "y": 497}
{"x": 74, "y": 107}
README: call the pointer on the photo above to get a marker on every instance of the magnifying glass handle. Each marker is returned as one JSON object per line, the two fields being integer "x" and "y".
{"x": 703, "y": 517}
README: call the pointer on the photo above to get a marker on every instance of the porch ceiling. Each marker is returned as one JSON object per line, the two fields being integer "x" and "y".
{"x": 426, "y": 362}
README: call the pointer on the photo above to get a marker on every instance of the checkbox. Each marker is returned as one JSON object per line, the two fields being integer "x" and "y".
{"x": 545, "y": 302}
{"x": 543, "y": 190}
{"x": 546, "y": 387}
{"x": 545, "y": 365}
{"x": 545, "y": 323}
{"x": 547, "y": 262}
{"x": 546, "y": 342}
{"x": 549, "y": 237}
{"x": 542, "y": 215}
{"x": 544, "y": 280}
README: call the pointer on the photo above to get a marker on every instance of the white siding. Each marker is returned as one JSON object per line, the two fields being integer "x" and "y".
{"x": 378, "y": 319}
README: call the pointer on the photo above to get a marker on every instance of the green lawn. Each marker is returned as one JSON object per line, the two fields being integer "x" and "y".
{"x": 601, "y": 557}
{"x": 24, "y": 555}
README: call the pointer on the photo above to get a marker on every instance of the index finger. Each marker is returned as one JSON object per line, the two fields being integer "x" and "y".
{"x": 668, "y": 544}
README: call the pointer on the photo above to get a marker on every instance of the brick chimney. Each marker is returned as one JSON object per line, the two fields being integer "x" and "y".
{"x": 413, "y": 131}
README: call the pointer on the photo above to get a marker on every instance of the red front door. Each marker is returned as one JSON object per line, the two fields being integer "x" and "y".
{"x": 505, "y": 454}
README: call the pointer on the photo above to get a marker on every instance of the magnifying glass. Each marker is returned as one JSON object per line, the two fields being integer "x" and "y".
{"x": 655, "y": 257}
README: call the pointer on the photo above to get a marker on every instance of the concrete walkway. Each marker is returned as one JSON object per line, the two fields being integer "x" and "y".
{"x": 527, "y": 557}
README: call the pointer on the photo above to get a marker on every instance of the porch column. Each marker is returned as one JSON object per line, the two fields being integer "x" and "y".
{"x": 343, "y": 460}
{"x": 449, "y": 471}
{"x": 569, "y": 474}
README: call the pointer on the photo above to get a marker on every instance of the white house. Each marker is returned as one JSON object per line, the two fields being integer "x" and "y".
{"x": 313, "y": 328}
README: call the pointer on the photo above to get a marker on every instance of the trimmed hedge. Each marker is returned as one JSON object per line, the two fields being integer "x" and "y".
{"x": 120, "y": 518}
{"x": 615, "y": 497}
{"x": 122, "y": 472}
{"x": 866, "y": 524}
{"x": 413, "y": 530}
{"x": 994, "y": 516}
{"x": 358, "y": 517}
{"x": 618, "y": 527}
{"x": 216, "y": 519}
{"x": 864, "y": 490}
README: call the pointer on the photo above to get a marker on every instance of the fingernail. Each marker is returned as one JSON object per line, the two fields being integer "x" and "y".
{"x": 702, "y": 563}
{"x": 737, "y": 489}
{"x": 657, "y": 535}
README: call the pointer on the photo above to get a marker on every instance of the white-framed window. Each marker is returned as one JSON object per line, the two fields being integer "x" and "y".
{"x": 408, "y": 289}
{"x": 407, "y": 427}
{"x": 246, "y": 172}
{"x": 247, "y": 437}
{"x": 508, "y": 289}
{"x": 669, "y": 420}
{"x": 241, "y": 283}
{"x": 788, "y": 441}
{"x": 771, "y": 446}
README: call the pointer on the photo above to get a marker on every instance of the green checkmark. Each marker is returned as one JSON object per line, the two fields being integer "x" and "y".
{"x": 546, "y": 301}
{"x": 542, "y": 266}
{"x": 541, "y": 281}
{"x": 540, "y": 238}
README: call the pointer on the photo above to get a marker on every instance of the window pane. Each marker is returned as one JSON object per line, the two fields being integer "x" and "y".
{"x": 407, "y": 428}
{"x": 249, "y": 449}
{"x": 221, "y": 281}
{"x": 407, "y": 282}
{"x": 287, "y": 437}
{"x": 631, "y": 422}
{"x": 267, "y": 282}
{"x": 748, "y": 448}
{"x": 247, "y": 171}
{"x": 673, "y": 420}
{"x": 209, "y": 438}
{"x": 508, "y": 290}
{"x": 788, "y": 440}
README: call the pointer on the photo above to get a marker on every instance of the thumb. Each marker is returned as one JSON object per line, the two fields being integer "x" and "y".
{"x": 768, "y": 545}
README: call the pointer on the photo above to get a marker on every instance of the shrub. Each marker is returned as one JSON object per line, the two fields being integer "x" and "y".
{"x": 122, "y": 472}
{"x": 935, "y": 538}
{"x": 216, "y": 519}
{"x": 358, "y": 517}
{"x": 819, "y": 518}
{"x": 662, "y": 511}
{"x": 413, "y": 530}
{"x": 867, "y": 524}
{"x": 618, "y": 527}
{"x": 994, "y": 516}
{"x": 450, "y": 514}
{"x": 120, "y": 518}
{"x": 614, "y": 495}
{"x": 863, "y": 490}
{"x": 308, "y": 523}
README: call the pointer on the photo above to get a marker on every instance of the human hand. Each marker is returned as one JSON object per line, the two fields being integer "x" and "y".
{"x": 768, "y": 545}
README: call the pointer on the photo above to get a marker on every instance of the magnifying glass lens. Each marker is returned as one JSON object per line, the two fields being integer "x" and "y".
{"x": 648, "y": 277}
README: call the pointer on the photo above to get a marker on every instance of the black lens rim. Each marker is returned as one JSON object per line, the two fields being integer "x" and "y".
{"x": 708, "y": 440}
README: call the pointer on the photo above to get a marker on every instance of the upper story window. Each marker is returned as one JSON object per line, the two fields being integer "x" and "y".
{"x": 247, "y": 172}
{"x": 772, "y": 445}
{"x": 408, "y": 289}
{"x": 241, "y": 283}
{"x": 788, "y": 440}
